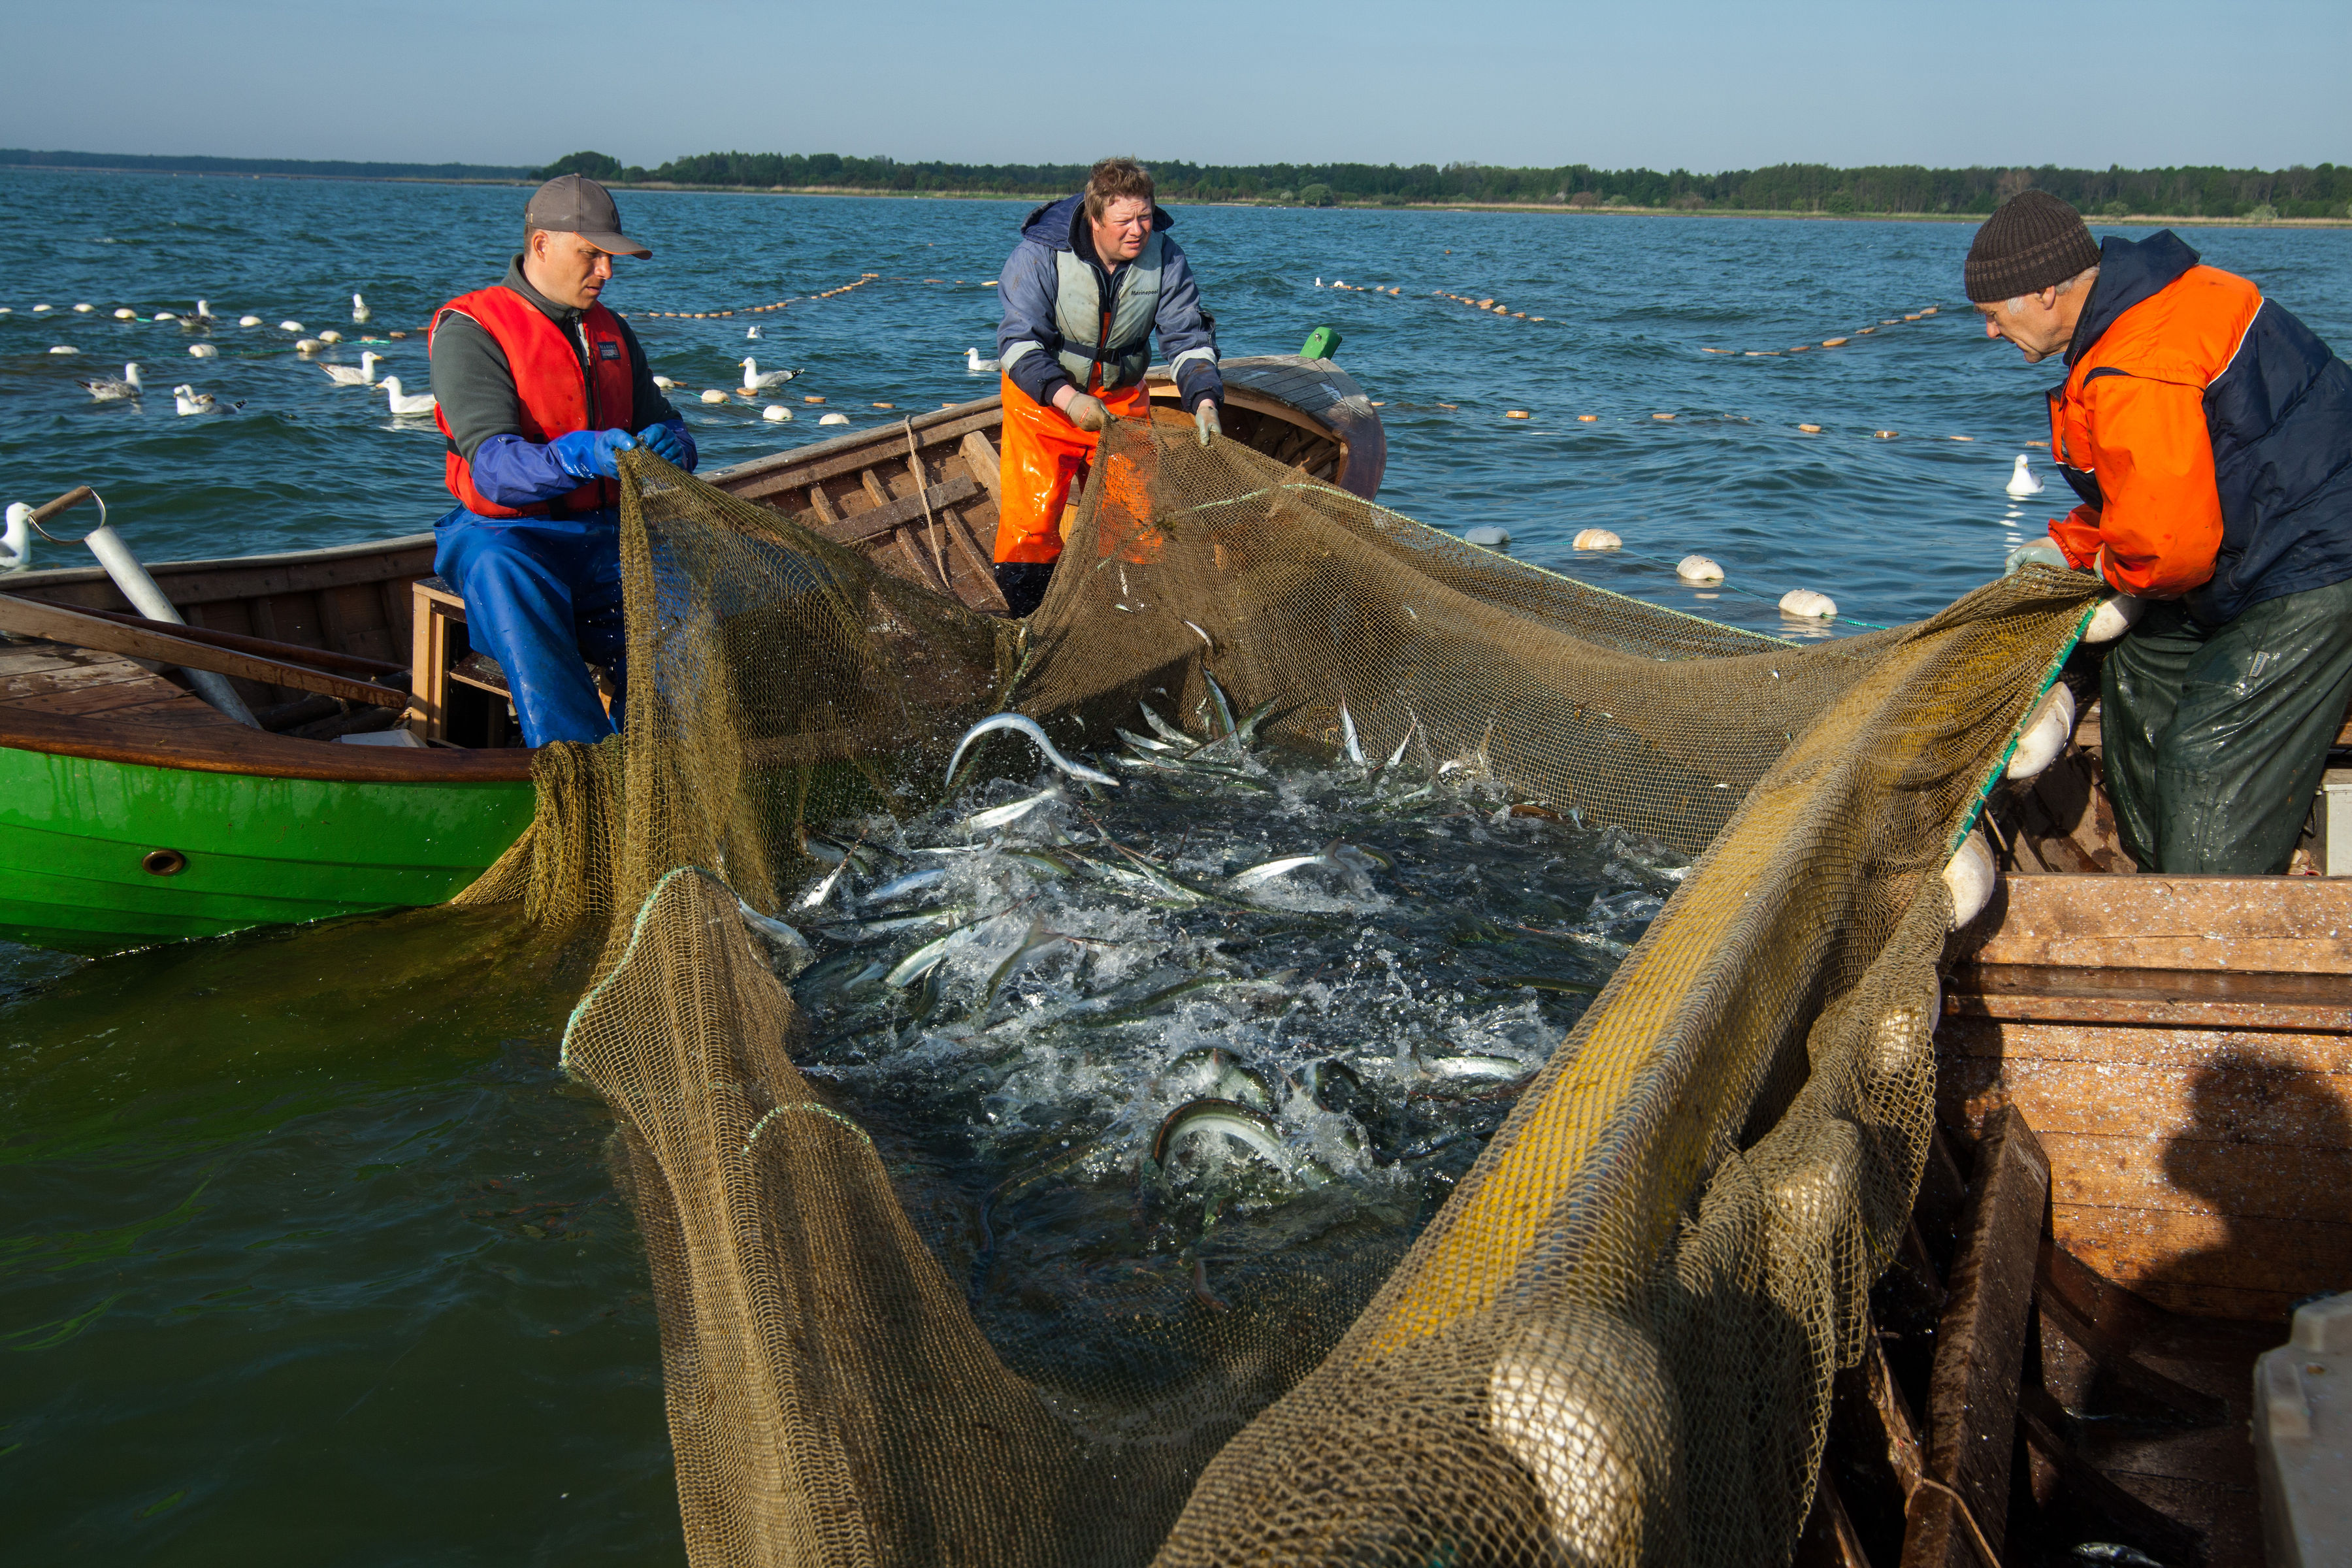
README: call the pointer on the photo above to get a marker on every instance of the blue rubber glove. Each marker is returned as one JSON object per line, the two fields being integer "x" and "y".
{"x": 664, "y": 441}
{"x": 591, "y": 454}
{"x": 2040, "y": 553}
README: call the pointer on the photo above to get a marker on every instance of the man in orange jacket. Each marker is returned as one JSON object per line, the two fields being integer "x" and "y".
{"x": 1094, "y": 276}
{"x": 2209, "y": 435}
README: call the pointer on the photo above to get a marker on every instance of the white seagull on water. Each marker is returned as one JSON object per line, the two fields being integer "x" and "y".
{"x": 107, "y": 389}
{"x": 363, "y": 374}
{"x": 756, "y": 380}
{"x": 360, "y": 311}
{"x": 977, "y": 365}
{"x": 188, "y": 400}
{"x": 406, "y": 402}
{"x": 2021, "y": 481}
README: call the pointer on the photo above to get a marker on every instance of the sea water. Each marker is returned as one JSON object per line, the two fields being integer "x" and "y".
{"x": 310, "y": 1252}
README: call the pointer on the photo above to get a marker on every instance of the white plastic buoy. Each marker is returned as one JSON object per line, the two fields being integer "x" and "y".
{"x": 84, "y": 309}
{"x": 331, "y": 337}
{"x": 776, "y": 413}
{"x": 2044, "y": 732}
{"x": 204, "y": 351}
{"x": 665, "y": 382}
{"x": 39, "y": 309}
{"x": 1970, "y": 877}
{"x": 1487, "y": 536}
{"x": 165, "y": 316}
{"x": 1805, "y": 601}
{"x": 360, "y": 311}
{"x": 403, "y": 401}
{"x": 2114, "y": 618}
{"x": 248, "y": 320}
{"x": 65, "y": 349}
{"x": 1598, "y": 539}
{"x": 307, "y": 345}
{"x": 834, "y": 419}
{"x": 2021, "y": 481}
{"x": 125, "y": 313}
{"x": 16, "y": 543}
{"x": 713, "y": 395}
{"x": 1697, "y": 569}
{"x": 979, "y": 366}
{"x": 290, "y": 326}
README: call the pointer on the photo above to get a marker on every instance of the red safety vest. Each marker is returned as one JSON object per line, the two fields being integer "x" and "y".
{"x": 556, "y": 398}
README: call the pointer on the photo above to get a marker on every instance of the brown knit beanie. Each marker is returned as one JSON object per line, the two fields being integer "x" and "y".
{"x": 2033, "y": 241}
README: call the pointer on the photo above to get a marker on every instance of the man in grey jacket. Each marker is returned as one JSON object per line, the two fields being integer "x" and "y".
{"x": 1094, "y": 276}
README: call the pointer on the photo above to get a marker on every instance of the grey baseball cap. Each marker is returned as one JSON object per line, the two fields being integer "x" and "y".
{"x": 575, "y": 203}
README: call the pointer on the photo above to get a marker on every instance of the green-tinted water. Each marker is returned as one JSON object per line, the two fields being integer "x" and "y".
{"x": 311, "y": 1255}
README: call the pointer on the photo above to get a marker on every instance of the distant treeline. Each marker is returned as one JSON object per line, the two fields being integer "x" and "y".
{"x": 2323, "y": 192}
{"x": 20, "y": 157}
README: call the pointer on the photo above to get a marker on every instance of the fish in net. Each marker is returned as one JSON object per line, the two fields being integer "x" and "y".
{"x": 1611, "y": 1343}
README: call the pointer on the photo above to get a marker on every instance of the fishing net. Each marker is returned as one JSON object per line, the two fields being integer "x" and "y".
{"x": 1613, "y": 1345}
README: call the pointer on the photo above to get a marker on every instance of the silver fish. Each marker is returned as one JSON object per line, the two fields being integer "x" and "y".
{"x": 1347, "y": 736}
{"x": 1224, "y": 710}
{"x": 1143, "y": 744}
{"x": 1165, "y": 730}
{"x": 1036, "y": 733}
{"x": 859, "y": 933}
{"x": 1253, "y": 1130}
{"x": 1038, "y": 939}
{"x": 926, "y": 958}
{"x": 825, "y": 889}
{"x": 1494, "y": 1068}
{"x": 912, "y": 882}
{"x": 1337, "y": 854}
{"x": 2115, "y": 1552}
{"x": 999, "y": 815}
{"x": 1398, "y": 755}
{"x": 794, "y": 953}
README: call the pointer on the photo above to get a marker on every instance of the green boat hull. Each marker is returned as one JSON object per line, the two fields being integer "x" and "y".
{"x": 78, "y": 838}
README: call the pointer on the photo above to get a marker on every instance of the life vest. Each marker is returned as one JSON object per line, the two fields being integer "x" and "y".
{"x": 1125, "y": 352}
{"x": 555, "y": 397}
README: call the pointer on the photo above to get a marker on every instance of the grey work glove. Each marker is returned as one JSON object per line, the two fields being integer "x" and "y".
{"x": 1204, "y": 419}
{"x": 2040, "y": 553}
{"x": 1086, "y": 413}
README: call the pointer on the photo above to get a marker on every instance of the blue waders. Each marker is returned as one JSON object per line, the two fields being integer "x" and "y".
{"x": 542, "y": 597}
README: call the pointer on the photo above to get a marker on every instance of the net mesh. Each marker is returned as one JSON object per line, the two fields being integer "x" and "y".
{"x": 1613, "y": 1345}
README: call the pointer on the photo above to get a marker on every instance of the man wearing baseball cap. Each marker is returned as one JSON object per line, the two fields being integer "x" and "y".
{"x": 2209, "y": 435}
{"x": 538, "y": 388}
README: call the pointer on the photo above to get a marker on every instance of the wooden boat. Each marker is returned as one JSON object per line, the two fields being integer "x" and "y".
{"x": 132, "y": 812}
{"x": 2143, "y": 1162}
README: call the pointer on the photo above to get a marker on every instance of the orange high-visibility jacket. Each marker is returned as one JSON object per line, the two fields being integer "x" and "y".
{"x": 557, "y": 395}
{"x": 2209, "y": 434}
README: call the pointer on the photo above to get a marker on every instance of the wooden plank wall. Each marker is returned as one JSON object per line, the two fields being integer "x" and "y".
{"x": 2183, "y": 1046}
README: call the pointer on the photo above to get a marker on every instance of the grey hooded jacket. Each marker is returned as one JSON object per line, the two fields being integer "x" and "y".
{"x": 1053, "y": 286}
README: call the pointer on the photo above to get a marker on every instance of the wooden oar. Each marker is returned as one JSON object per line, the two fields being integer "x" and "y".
{"x": 288, "y": 652}
{"x": 149, "y": 639}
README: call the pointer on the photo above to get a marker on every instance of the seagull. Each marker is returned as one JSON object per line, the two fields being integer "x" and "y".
{"x": 977, "y": 365}
{"x": 2021, "y": 481}
{"x": 107, "y": 389}
{"x": 756, "y": 380}
{"x": 16, "y": 543}
{"x": 188, "y": 400}
{"x": 406, "y": 402}
{"x": 363, "y": 374}
{"x": 750, "y": 332}
{"x": 360, "y": 311}
{"x": 198, "y": 319}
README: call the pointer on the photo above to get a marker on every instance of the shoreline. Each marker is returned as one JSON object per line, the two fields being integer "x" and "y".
{"x": 2134, "y": 220}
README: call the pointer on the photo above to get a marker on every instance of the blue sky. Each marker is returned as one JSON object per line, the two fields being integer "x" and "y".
{"x": 1705, "y": 84}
